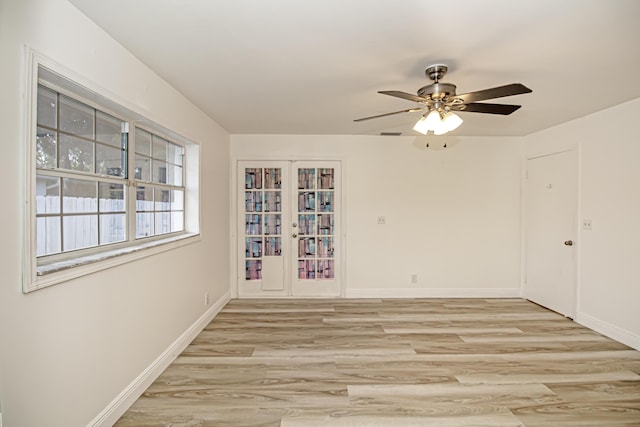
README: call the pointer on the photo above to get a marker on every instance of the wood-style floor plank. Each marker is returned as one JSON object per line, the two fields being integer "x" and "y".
{"x": 396, "y": 362}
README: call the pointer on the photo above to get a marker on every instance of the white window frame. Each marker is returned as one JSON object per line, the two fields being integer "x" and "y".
{"x": 53, "y": 269}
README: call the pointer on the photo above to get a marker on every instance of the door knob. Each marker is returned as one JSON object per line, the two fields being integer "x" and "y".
{"x": 568, "y": 243}
{"x": 294, "y": 235}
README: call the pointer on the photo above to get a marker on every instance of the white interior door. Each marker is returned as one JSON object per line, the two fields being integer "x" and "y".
{"x": 551, "y": 215}
{"x": 288, "y": 228}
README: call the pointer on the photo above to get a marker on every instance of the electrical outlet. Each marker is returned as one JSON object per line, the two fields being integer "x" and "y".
{"x": 382, "y": 220}
{"x": 586, "y": 224}
{"x": 206, "y": 298}
{"x": 414, "y": 279}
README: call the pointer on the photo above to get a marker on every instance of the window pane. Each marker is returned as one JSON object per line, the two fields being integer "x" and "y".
{"x": 76, "y": 154}
{"x": 273, "y": 178}
{"x": 175, "y": 154}
{"x": 272, "y": 224}
{"x": 159, "y": 172}
{"x": 144, "y": 224}
{"x": 143, "y": 168}
{"x": 272, "y": 201}
{"x": 162, "y": 200}
{"x": 177, "y": 200}
{"x": 108, "y": 129}
{"x": 76, "y": 117}
{"x": 306, "y": 202}
{"x": 111, "y": 197}
{"x": 47, "y": 195}
{"x": 47, "y": 235}
{"x": 143, "y": 142}
{"x": 79, "y": 196}
{"x": 177, "y": 221}
{"x": 306, "y": 247}
{"x": 109, "y": 160}
{"x": 163, "y": 222}
{"x": 46, "y": 142}
{"x": 47, "y": 107}
{"x": 112, "y": 228}
{"x": 144, "y": 199}
{"x": 175, "y": 175}
{"x": 159, "y": 148}
{"x": 80, "y": 231}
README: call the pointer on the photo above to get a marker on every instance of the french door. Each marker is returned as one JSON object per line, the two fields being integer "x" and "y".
{"x": 289, "y": 228}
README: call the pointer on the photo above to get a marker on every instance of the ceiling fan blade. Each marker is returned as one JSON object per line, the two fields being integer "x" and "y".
{"x": 410, "y": 110}
{"x": 504, "y": 109}
{"x": 403, "y": 95}
{"x": 496, "y": 92}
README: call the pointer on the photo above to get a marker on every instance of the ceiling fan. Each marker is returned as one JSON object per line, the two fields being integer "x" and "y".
{"x": 440, "y": 100}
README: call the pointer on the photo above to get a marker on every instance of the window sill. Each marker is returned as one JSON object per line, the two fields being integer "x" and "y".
{"x": 61, "y": 271}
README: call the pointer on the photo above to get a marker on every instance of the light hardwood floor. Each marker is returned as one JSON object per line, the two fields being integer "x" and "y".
{"x": 384, "y": 363}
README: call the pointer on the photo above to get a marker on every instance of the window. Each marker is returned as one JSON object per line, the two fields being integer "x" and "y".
{"x": 104, "y": 181}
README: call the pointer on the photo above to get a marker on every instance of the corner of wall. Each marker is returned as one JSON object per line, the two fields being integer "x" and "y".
{"x": 118, "y": 406}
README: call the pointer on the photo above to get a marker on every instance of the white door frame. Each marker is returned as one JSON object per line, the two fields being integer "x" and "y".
{"x": 575, "y": 306}
{"x": 233, "y": 216}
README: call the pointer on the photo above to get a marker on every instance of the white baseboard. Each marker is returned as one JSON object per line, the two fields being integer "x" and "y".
{"x": 612, "y": 331}
{"x": 434, "y": 293}
{"x": 134, "y": 390}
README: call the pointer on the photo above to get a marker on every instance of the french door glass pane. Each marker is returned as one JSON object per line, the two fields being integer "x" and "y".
{"x": 79, "y": 231}
{"x": 253, "y": 201}
{"x": 306, "y": 247}
{"x": 272, "y": 224}
{"x": 253, "y": 247}
{"x": 253, "y": 225}
{"x": 273, "y": 246}
{"x": 273, "y": 178}
{"x": 306, "y": 224}
{"x": 325, "y": 178}
{"x": 306, "y": 201}
{"x": 253, "y": 178}
{"x": 253, "y": 269}
{"x": 272, "y": 200}
{"x": 306, "y": 179}
{"x": 306, "y": 269}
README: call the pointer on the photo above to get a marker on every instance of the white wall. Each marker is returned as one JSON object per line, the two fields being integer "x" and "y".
{"x": 68, "y": 350}
{"x": 609, "y": 254}
{"x": 452, "y": 215}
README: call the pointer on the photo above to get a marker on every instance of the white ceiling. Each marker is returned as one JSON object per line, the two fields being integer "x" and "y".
{"x": 311, "y": 67}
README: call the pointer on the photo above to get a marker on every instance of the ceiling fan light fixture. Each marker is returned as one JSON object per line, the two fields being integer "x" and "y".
{"x": 451, "y": 121}
{"x": 421, "y": 125}
{"x": 433, "y": 120}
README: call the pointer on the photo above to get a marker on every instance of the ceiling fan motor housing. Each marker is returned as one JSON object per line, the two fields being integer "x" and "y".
{"x": 437, "y": 91}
